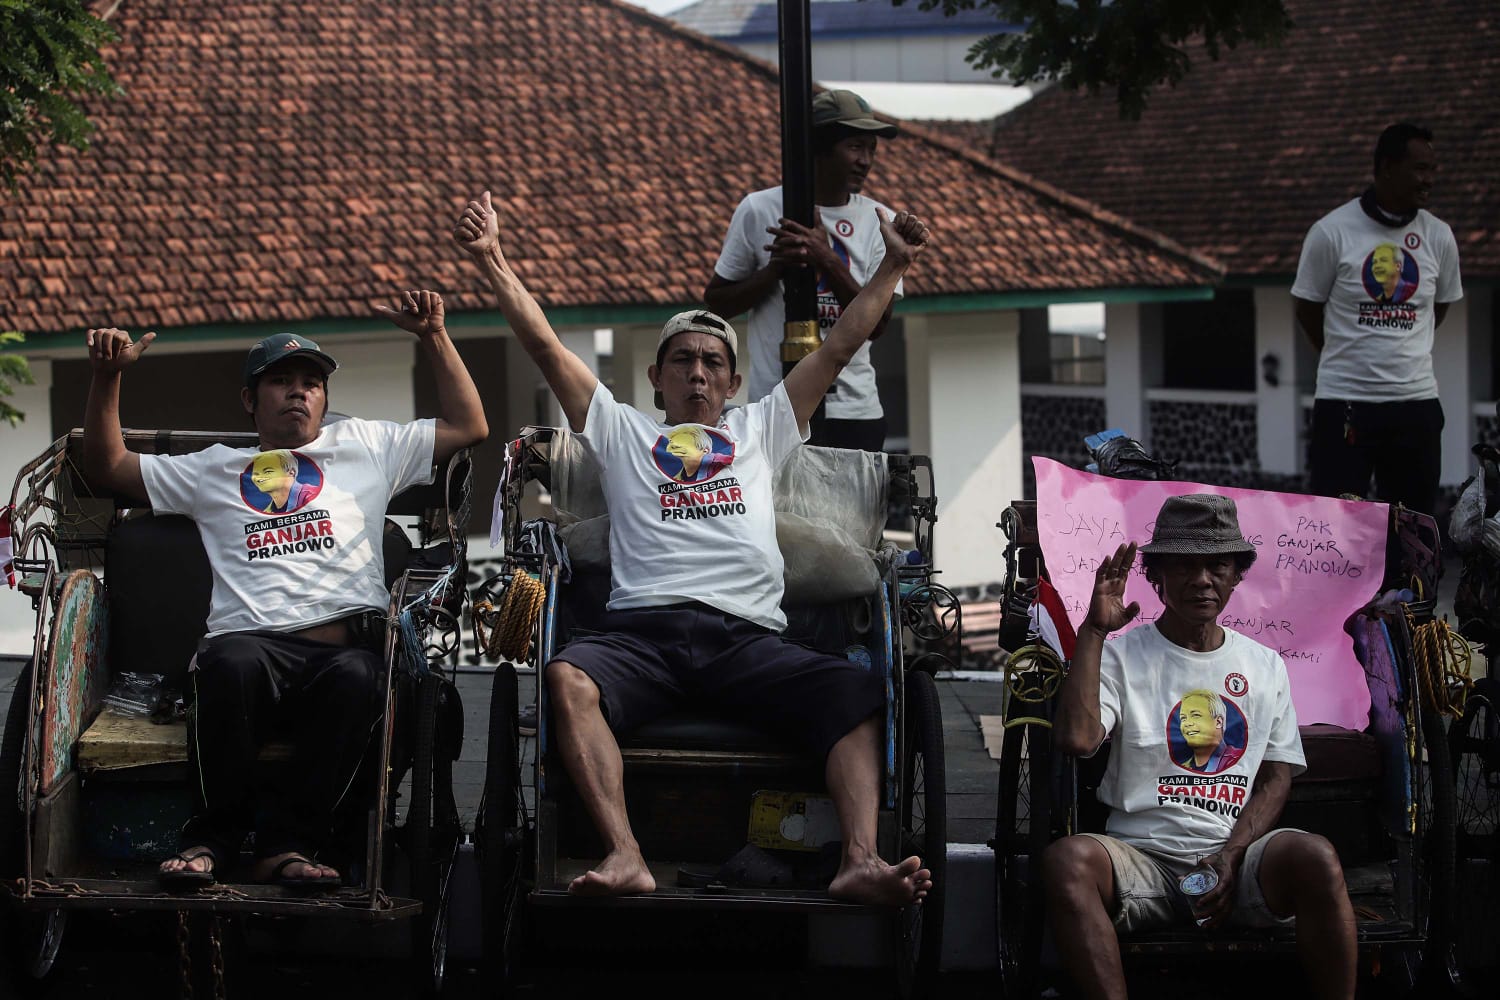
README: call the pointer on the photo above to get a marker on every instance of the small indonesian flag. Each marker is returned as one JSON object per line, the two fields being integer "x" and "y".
{"x": 7, "y": 553}
{"x": 1049, "y": 620}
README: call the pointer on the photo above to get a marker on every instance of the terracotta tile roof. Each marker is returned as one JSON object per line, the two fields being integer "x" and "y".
{"x": 1246, "y": 153}
{"x": 282, "y": 161}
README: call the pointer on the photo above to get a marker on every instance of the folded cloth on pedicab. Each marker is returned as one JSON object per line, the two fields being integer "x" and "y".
{"x": 1467, "y": 525}
{"x": 823, "y": 564}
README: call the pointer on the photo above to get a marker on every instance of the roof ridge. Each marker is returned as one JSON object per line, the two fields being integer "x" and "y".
{"x": 1090, "y": 209}
{"x": 696, "y": 37}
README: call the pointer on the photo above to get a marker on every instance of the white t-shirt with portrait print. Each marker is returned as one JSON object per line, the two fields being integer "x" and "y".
{"x": 1378, "y": 284}
{"x": 854, "y": 230}
{"x": 1189, "y": 730}
{"x": 309, "y": 551}
{"x": 690, "y": 506}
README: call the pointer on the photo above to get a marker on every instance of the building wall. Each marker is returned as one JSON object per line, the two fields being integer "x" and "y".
{"x": 912, "y": 59}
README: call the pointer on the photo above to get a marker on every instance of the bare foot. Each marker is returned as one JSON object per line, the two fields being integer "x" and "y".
{"x": 192, "y": 859}
{"x": 302, "y": 868}
{"x": 873, "y": 882}
{"x": 620, "y": 874}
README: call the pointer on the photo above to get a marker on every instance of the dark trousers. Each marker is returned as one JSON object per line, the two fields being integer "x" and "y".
{"x": 859, "y": 435}
{"x": 249, "y": 685}
{"x": 1400, "y": 444}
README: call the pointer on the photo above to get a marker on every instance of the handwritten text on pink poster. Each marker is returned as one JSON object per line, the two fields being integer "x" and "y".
{"x": 1318, "y": 560}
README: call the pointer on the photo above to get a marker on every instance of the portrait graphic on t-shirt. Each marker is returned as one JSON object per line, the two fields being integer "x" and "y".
{"x": 1390, "y": 274}
{"x": 280, "y": 481}
{"x": 691, "y": 453}
{"x": 1206, "y": 732}
{"x": 840, "y": 251}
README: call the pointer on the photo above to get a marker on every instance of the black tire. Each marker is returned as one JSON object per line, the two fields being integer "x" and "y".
{"x": 1474, "y": 751}
{"x": 1438, "y": 881}
{"x": 500, "y": 838}
{"x": 924, "y": 832}
{"x": 1023, "y": 825}
{"x": 32, "y": 939}
{"x": 429, "y": 857}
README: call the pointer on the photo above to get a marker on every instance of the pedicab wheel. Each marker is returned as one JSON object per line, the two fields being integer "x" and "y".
{"x": 430, "y": 862}
{"x": 1419, "y": 970}
{"x": 1438, "y": 968}
{"x": 1474, "y": 752}
{"x": 924, "y": 832}
{"x": 1023, "y": 814}
{"x": 31, "y": 940}
{"x": 500, "y": 837}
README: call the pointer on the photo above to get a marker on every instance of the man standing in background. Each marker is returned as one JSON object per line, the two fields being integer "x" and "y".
{"x": 844, "y": 247}
{"x": 1375, "y": 280}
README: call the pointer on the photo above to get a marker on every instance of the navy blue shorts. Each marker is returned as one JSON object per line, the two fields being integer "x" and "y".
{"x": 649, "y": 661}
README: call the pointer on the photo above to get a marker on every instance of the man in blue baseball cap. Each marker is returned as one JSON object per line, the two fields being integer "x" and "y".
{"x": 288, "y": 528}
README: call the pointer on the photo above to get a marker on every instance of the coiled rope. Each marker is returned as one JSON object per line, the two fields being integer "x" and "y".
{"x": 505, "y": 631}
{"x": 1443, "y": 663}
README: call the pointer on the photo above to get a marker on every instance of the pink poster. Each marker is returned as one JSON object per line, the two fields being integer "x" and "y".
{"x": 1318, "y": 560}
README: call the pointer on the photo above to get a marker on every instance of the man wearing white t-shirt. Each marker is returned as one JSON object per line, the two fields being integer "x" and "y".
{"x": 1204, "y": 747}
{"x": 694, "y": 612}
{"x": 844, "y": 247}
{"x": 292, "y": 529}
{"x": 1375, "y": 280}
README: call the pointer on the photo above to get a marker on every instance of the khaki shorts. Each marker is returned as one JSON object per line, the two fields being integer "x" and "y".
{"x": 1147, "y": 895}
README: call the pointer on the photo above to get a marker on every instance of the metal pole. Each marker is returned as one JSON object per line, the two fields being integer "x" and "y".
{"x": 800, "y": 335}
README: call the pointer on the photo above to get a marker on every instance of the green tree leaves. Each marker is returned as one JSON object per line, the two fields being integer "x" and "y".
{"x": 1130, "y": 46}
{"x": 49, "y": 61}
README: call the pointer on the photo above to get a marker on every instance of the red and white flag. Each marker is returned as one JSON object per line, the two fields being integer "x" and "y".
{"x": 1049, "y": 620}
{"x": 7, "y": 552}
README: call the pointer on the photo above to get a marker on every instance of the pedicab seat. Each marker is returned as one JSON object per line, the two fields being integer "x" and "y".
{"x": 158, "y": 584}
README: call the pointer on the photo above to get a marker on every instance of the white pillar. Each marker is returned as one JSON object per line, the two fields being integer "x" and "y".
{"x": 581, "y": 343}
{"x": 377, "y": 386}
{"x": 1125, "y": 375}
{"x": 974, "y": 428}
{"x": 635, "y": 351}
{"x": 1278, "y": 412}
{"x": 918, "y": 389}
{"x": 1450, "y": 363}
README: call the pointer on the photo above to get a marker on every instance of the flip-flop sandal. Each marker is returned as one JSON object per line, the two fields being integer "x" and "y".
{"x": 187, "y": 878}
{"x": 302, "y": 881}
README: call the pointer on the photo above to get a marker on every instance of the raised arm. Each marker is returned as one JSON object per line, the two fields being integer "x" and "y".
{"x": 461, "y": 420}
{"x": 906, "y": 236}
{"x": 571, "y": 381}
{"x": 1078, "y": 729}
{"x": 106, "y": 460}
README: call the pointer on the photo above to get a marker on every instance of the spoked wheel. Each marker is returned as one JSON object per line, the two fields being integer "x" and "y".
{"x": 1474, "y": 752}
{"x": 1474, "y": 749}
{"x": 31, "y": 940}
{"x": 1024, "y": 824}
{"x": 1438, "y": 863}
{"x": 924, "y": 832}
{"x": 431, "y": 833}
{"x": 501, "y": 838}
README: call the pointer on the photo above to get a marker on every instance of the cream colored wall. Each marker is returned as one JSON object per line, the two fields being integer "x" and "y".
{"x": 972, "y": 417}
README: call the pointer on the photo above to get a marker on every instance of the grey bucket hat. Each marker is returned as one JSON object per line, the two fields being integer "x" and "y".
{"x": 1200, "y": 524}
